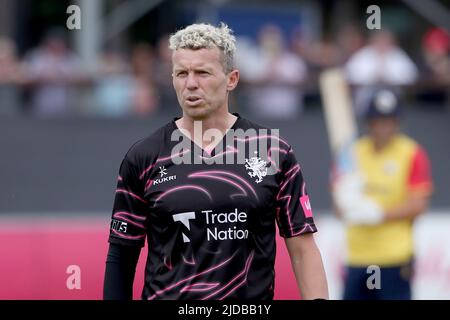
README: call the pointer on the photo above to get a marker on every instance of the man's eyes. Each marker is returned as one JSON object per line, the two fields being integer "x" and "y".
{"x": 185, "y": 73}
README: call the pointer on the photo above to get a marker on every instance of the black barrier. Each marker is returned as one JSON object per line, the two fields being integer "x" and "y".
{"x": 203, "y": 310}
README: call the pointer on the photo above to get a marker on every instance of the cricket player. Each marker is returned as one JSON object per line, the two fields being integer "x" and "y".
{"x": 210, "y": 226}
{"x": 396, "y": 188}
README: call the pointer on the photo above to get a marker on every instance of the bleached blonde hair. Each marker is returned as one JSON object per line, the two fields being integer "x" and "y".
{"x": 201, "y": 35}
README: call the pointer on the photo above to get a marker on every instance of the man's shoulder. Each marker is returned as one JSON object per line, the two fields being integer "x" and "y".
{"x": 406, "y": 140}
{"x": 260, "y": 129}
{"x": 401, "y": 142}
{"x": 274, "y": 137}
{"x": 409, "y": 145}
{"x": 363, "y": 141}
{"x": 264, "y": 131}
{"x": 249, "y": 124}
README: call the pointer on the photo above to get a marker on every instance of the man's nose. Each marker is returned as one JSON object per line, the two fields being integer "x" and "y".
{"x": 192, "y": 82}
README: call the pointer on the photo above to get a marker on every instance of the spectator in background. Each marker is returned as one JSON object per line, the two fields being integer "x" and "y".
{"x": 349, "y": 40}
{"x": 276, "y": 75}
{"x": 11, "y": 75}
{"x": 53, "y": 71}
{"x": 113, "y": 88}
{"x": 434, "y": 62}
{"x": 162, "y": 76}
{"x": 380, "y": 63}
{"x": 318, "y": 54}
{"x": 435, "y": 49}
{"x": 144, "y": 97}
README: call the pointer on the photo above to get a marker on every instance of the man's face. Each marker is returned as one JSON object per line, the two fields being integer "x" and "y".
{"x": 200, "y": 81}
{"x": 381, "y": 130}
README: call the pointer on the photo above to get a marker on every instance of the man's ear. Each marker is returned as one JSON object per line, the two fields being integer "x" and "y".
{"x": 233, "y": 79}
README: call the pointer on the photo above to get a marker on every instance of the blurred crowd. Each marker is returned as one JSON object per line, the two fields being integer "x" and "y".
{"x": 278, "y": 71}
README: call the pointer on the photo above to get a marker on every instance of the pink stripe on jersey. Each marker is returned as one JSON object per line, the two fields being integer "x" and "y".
{"x": 261, "y": 137}
{"x": 200, "y": 286}
{"x": 246, "y": 269}
{"x": 121, "y": 215}
{"x": 203, "y": 175}
{"x": 221, "y": 172}
{"x": 184, "y": 187}
{"x": 191, "y": 277}
{"x": 131, "y": 215}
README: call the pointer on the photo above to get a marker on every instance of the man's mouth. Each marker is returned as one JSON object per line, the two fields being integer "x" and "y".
{"x": 192, "y": 100}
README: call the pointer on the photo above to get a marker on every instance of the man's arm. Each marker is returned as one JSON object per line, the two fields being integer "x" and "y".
{"x": 127, "y": 231}
{"x": 308, "y": 267}
{"x": 420, "y": 188}
{"x": 119, "y": 274}
{"x": 415, "y": 205}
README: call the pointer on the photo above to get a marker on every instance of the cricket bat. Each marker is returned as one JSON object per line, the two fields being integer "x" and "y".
{"x": 339, "y": 119}
{"x": 348, "y": 185}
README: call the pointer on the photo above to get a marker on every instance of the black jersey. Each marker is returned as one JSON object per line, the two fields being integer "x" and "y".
{"x": 210, "y": 227}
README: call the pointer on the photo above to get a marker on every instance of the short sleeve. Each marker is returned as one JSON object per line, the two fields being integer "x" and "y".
{"x": 420, "y": 180}
{"x": 129, "y": 214}
{"x": 293, "y": 208}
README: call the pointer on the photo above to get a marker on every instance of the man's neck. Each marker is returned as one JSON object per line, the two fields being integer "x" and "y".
{"x": 219, "y": 121}
{"x": 380, "y": 145}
